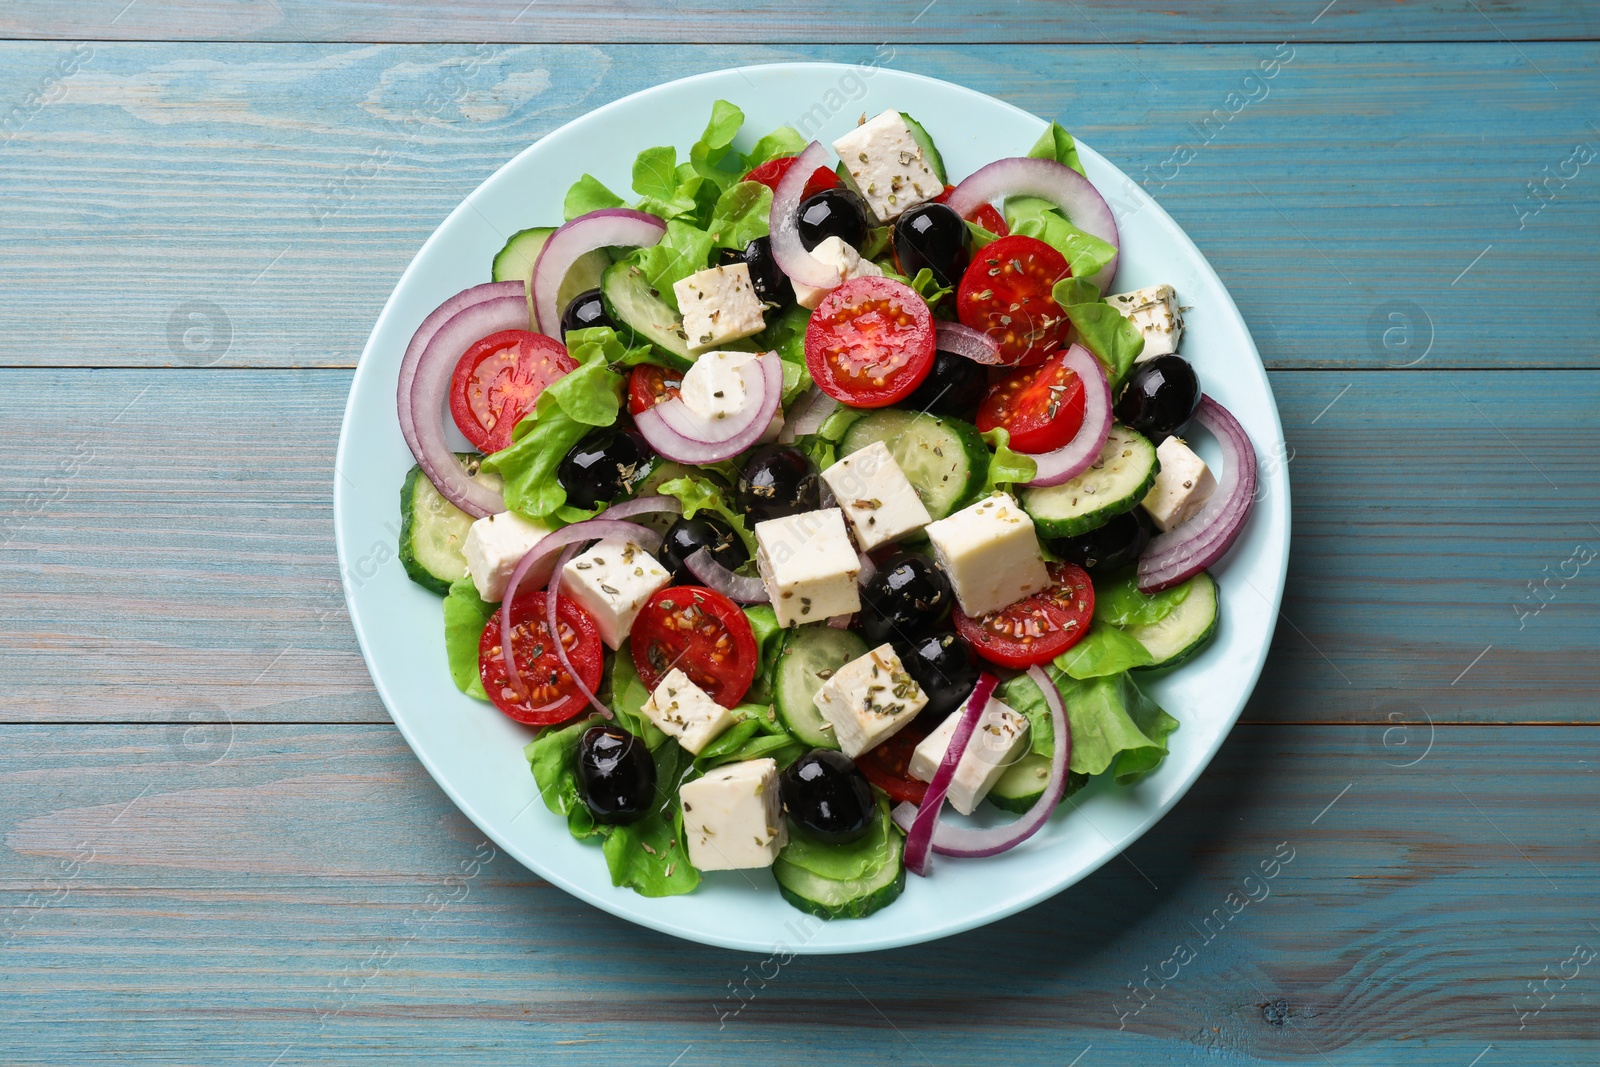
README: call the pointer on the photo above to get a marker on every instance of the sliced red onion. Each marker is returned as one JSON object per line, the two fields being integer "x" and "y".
{"x": 733, "y": 586}
{"x": 678, "y": 434}
{"x": 807, "y": 415}
{"x": 1048, "y": 180}
{"x": 794, "y": 259}
{"x": 1181, "y": 553}
{"x": 430, "y": 326}
{"x": 826, "y": 498}
{"x": 840, "y": 622}
{"x": 1078, "y": 454}
{"x": 920, "y": 835}
{"x": 967, "y": 342}
{"x": 868, "y": 568}
{"x": 612, "y": 227}
{"x": 553, "y": 628}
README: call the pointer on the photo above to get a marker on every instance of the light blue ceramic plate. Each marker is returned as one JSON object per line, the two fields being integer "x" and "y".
{"x": 475, "y": 753}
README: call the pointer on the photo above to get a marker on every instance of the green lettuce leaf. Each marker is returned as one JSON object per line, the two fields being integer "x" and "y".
{"x": 769, "y": 640}
{"x": 756, "y": 735}
{"x": 1032, "y": 217}
{"x": 712, "y": 157}
{"x": 1057, "y": 144}
{"x": 588, "y": 194}
{"x": 1103, "y": 650}
{"x": 741, "y": 215}
{"x": 1114, "y": 725}
{"x": 786, "y": 335}
{"x": 701, "y": 494}
{"x": 649, "y": 856}
{"x": 682, "y": 251}
{"x": 1102, "y": 329}
{"x": 923, "y": 284}
{"x": 628, "y": 696}
{"x": 657, "y": 181}
{"x": 552, "y": 757}
{"x": 843, "y": 863}
{"x": 1118, "y": 601}
{"x": 783, "y": 141}
{"x": 979, "y": 235}
{"x": 465, "y": 615}
{"x": 1006, "y": 467}
{"x": 822, "y": 447}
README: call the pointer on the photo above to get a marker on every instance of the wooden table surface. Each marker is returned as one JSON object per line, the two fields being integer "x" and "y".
{"x": 219, "y": 850}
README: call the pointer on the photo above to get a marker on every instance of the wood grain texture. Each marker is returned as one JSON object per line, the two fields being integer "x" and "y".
{"x": 277, "y": 903}
{"x": 253, "y": 205}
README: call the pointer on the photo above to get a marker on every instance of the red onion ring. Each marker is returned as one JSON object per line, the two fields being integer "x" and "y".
{"x": 671, "y": 428}
{"x": 715, "y": 576}
{"x": 430, "y": 326}
{"x": 793, "y": 258}
{"x": 1181, "y": 553}
{"x": 807, "y": 415}
{"x": 967, "y": 342}
{"x": 1078, "y": 454}
{"x": 840, "y": 622}
{"x": 920, "y": 836}
{"x": 553, "y": 627}
{"x": 1048, "y": 180}
{"x": 610, "y": 227}
{"x": 868, "y": 568}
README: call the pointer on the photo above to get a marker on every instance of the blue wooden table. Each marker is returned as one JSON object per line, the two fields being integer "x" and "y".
{"x": 217, "y": 849}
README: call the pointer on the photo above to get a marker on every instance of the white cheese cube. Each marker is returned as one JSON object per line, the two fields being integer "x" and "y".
{"x": 809, "y": 566}
{"x": 841, "y": 256}
{"x": 494, "y": 546}
{"x": 887, "y": 165}
{"x": 611, "y": 581}
{"x": 1155, "y": 311}
{"x": 1000, "y": 739}
{"x": 876, "y": 496}
{"x": 1182, "y": 485}
{"x": 714, "y": 388}
{"x": 686, "y": 712}
{"x": 718, "y": 305}
{"x": 990, "y": 553}
{"x": 869, "y": 700}
{"x": 732, "y": 818}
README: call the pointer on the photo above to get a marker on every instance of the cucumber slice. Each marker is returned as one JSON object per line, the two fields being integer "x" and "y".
{"x": 639, "y": 309}
{"x": 930, "y": 154}
{"x": 1182, "y": 633}
{"x": 433, "y": 530}
{"x": 856, "y": 898}
{"x": 944, "y": 459}
{"x": 514, "y": 263}
{"x": 1023, "y": 784}
{"x": 1116, "y": 482}
{"x": 809, "y": 657}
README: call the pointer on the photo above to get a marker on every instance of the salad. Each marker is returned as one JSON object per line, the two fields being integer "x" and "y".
{"x": 813, "y": 494}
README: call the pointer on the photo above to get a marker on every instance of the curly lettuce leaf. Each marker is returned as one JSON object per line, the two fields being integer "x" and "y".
{"x": 628, "y": 695}
{"x": 588, "y": 194}
{"x": 712, "y": 157}
{"x": 1102, "y": 329}
{"x": 701, "y": 494}
{"x": 741, "y": 214}
{"x": 1006, "y": 467}
{"x": 1057, "y": 144}
{"x": 553, "y": 757}
{"x": 756, "y": 735}
{"x": 1104, "y": 650}
{"x": 781, "y": 142}
{"x": 786, "y": 335}
{"x": 1030, "y": 216}
{"x": 1115, "y": 726}
{"x": 465, "y": 616}
{"x": 769, "y": 640}
{"x": 682, "y": 251}
{"x": 650, "y": 856}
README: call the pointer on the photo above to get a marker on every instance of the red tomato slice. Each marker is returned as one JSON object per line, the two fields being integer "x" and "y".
{"x": 888, "y": 765}
{"x": 1038, "y": 628}
{"x": 1040, "y": 407}
{"x": 498, "y": 380}
{"x": 985, "y": 216}
{"x": 650, "y": 385}
{"x": 1006, "y": 293}
{"x": 870, "y": 342}
{"x": 549, "y": 695}
{"x": 772, "y": 171}
{"x": 700, "y": 632}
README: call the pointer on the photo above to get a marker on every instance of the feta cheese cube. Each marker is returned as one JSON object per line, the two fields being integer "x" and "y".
{"x": 1155, "y": 311}
{"x": 876, "y": 496}
{"x": 887, "y": 165}
{"x": 990, "y": 553}
{"x": 494, "y": 546}
{"x": 836, "y": 253}
{"x": 1000, "y": 739}
{"x": 809, "y": 566}
{"x": 686, "y": 712}
{"x": 714, "y": 388}
{"x": 1182, "y": 485}
{"x": 869, "y": 700}
{"x": 611, "y": 581}
{"x": 718, "y": 305}
{"x": 732, "y": 818}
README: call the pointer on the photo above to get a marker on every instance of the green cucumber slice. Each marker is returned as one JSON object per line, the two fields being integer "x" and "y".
{"x": 944, "y": 459}
{"x": 433, "y": 530}
{"x": 514, "y": 263}
{"x": 930, "y": 154}
{"x": 639, "y": 310}
{"x": 1185, "y": 630}
{"x": 856, "y": 898}
{"x": 1115, "y": 483}
{"x": 1021, "y": 786}
{"x": 809, "y": 656}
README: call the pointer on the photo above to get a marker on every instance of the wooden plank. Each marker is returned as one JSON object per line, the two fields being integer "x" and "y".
{"x": 264, "y": 198}
{"x": 829, "y": 21}
{"x": 182, "y": 566}
{"x": 276, "y": 905}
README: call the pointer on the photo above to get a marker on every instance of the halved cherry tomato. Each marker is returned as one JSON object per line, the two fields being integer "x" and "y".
{"x": 700, "y": 632}
{"x": 772, "y": 171}
{"x": 649, "y": 385}
{"x": 498, "y": 380}
{"x": 870, "y": 342}
{"x": 1038, "y": 628}
{"x": 1040, "y": 407}
{"x": 548, "y": 694}
{"x": 1006, "y": 293}
{"x": 985, "y": 215}
{"x": 888, "y": 765}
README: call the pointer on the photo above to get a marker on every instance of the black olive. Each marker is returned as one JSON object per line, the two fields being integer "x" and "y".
{"x": 772, "y": 286}
{"x": 827, "y": 796}
{"x": 686, "y": 536}
{"x": 585, "y": 310}
{"x": 944, "y": 667}
{"x": 1160, "y": 397}
{"x": 932, "y": 236}
{"x": 778, "y": 481}
{"x": 954, "y": 386}
{"x": 906, "y": 596}
{"x": 1108, "y": 548}
{"x": 833, "y": 213}
{"x": 603, "y": 466}
{"x": 616, "y": 775}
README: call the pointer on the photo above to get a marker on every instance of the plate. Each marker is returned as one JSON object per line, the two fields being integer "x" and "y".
{"x": 475, "y": 753}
